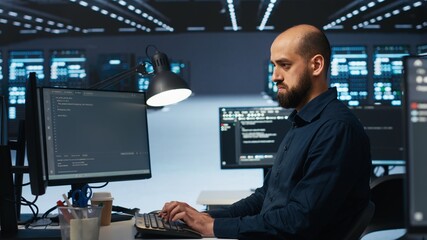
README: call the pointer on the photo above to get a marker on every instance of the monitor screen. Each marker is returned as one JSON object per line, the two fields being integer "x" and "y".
{"x": 21, "y": 63}
{"x": 388, "y": 74}
{"x": 415, "y": 117}
{"x": 68, "y": 68}
{"x": 112, "y": 64}
{"x": 250, "y": 136}
{"x": 383, "y": 125}
{"x": 422, "y": 49}
{"x": 349, "y": 74}
{"x": 94, "y": 136}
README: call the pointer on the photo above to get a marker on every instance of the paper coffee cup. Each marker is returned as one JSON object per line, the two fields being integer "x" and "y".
{"x": 106, "y": 200}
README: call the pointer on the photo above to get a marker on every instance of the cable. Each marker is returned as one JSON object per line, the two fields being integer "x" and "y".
{"x": 103, "y": 185}
{"x": 34, "y": 209}
{"x": 22, "y": 185}
{"x": 49, "y": 211}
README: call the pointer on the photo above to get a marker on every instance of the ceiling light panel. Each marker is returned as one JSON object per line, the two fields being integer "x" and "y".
{"x": 32, "y": 23}
{"x": 111, "y": 14}
{"x": 267, "y": 14}
{"x": 161, "y": 26}
{"x": 232, "y": 12}
{"x": 352, "y": 13}
{"x": 395, "y": 12}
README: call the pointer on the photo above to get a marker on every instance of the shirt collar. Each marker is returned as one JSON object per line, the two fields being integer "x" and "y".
{"x": 313, "y": 108}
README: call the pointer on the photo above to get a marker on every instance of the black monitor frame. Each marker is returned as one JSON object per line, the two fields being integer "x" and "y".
{"x": 33, "y": 139}
{"x": 415, "y": 172}
{"x": 78, "y": 179}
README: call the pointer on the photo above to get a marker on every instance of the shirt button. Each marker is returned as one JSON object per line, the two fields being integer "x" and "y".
{"x": 285, "y": 148}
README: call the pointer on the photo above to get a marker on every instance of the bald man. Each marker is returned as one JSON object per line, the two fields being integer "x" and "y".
{"x": 319, "y": 181}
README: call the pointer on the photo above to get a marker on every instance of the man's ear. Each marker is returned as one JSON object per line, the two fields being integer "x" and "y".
{"x": 317, "y": 64}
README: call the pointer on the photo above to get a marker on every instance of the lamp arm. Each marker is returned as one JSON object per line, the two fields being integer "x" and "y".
{"x": 140, "y": 68}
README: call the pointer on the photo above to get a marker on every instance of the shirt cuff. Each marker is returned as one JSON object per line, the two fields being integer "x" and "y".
{"x": 226, "y": 227}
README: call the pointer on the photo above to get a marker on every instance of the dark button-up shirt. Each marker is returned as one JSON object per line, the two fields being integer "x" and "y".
{"x": 318, "y": 184}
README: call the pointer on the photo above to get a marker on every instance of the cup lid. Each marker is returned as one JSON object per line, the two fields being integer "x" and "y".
{"x": 101, "y": 196}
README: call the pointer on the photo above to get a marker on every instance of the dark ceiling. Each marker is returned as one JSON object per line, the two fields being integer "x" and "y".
{"x": 25, "y": 19}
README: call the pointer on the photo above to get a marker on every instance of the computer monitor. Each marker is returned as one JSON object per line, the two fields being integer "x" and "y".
{"x": 68, "y": 68}
{"x": 93, "y": 136}
{"x": 349, "y": 74}
{"x": 415, "y": 117}
{"x": 388, "y": 73}
{"x": 383, "y": 125}
{"x": 250, "y": 136}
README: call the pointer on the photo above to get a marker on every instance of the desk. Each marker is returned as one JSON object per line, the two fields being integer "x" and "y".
{"x": 123, "y": 230}
{"x": 219, "y": 199}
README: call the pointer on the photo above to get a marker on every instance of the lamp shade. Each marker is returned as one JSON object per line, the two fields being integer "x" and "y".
{"x": 165, "y": 87}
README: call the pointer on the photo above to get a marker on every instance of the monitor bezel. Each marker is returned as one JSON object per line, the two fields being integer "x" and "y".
{"x": 411, "y": 229}
{"x": 72, "y": 181}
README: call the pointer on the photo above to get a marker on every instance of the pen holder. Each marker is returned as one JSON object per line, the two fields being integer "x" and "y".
{"x": 79, "y": 223}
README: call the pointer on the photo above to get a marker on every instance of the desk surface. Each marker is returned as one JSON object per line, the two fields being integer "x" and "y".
{"x": 123, "y": 230}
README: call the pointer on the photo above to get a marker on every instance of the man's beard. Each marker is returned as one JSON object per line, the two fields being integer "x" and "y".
{"x": 296, "y": 95}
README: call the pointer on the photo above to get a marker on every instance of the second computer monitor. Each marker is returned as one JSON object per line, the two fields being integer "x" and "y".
{"x": 250, "y": 136}
{"x": 415, "y": 116}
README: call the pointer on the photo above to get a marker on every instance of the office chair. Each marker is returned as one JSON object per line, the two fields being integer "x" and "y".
{"x": 361, "y": 222}
{"x": 387, "y": 194}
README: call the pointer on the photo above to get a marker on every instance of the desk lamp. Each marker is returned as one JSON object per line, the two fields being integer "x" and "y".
{"x": 165, "y": 87}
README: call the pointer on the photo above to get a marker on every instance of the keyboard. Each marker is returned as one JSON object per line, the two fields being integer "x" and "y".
{"x": 149, "y": 225}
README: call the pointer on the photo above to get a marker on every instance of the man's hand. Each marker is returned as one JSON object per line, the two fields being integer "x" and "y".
{"x": 201, "y": 222}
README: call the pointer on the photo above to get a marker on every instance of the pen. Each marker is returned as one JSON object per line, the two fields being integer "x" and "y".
{"x": 69, "y": 205}
{"x": 65, "y": 213}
